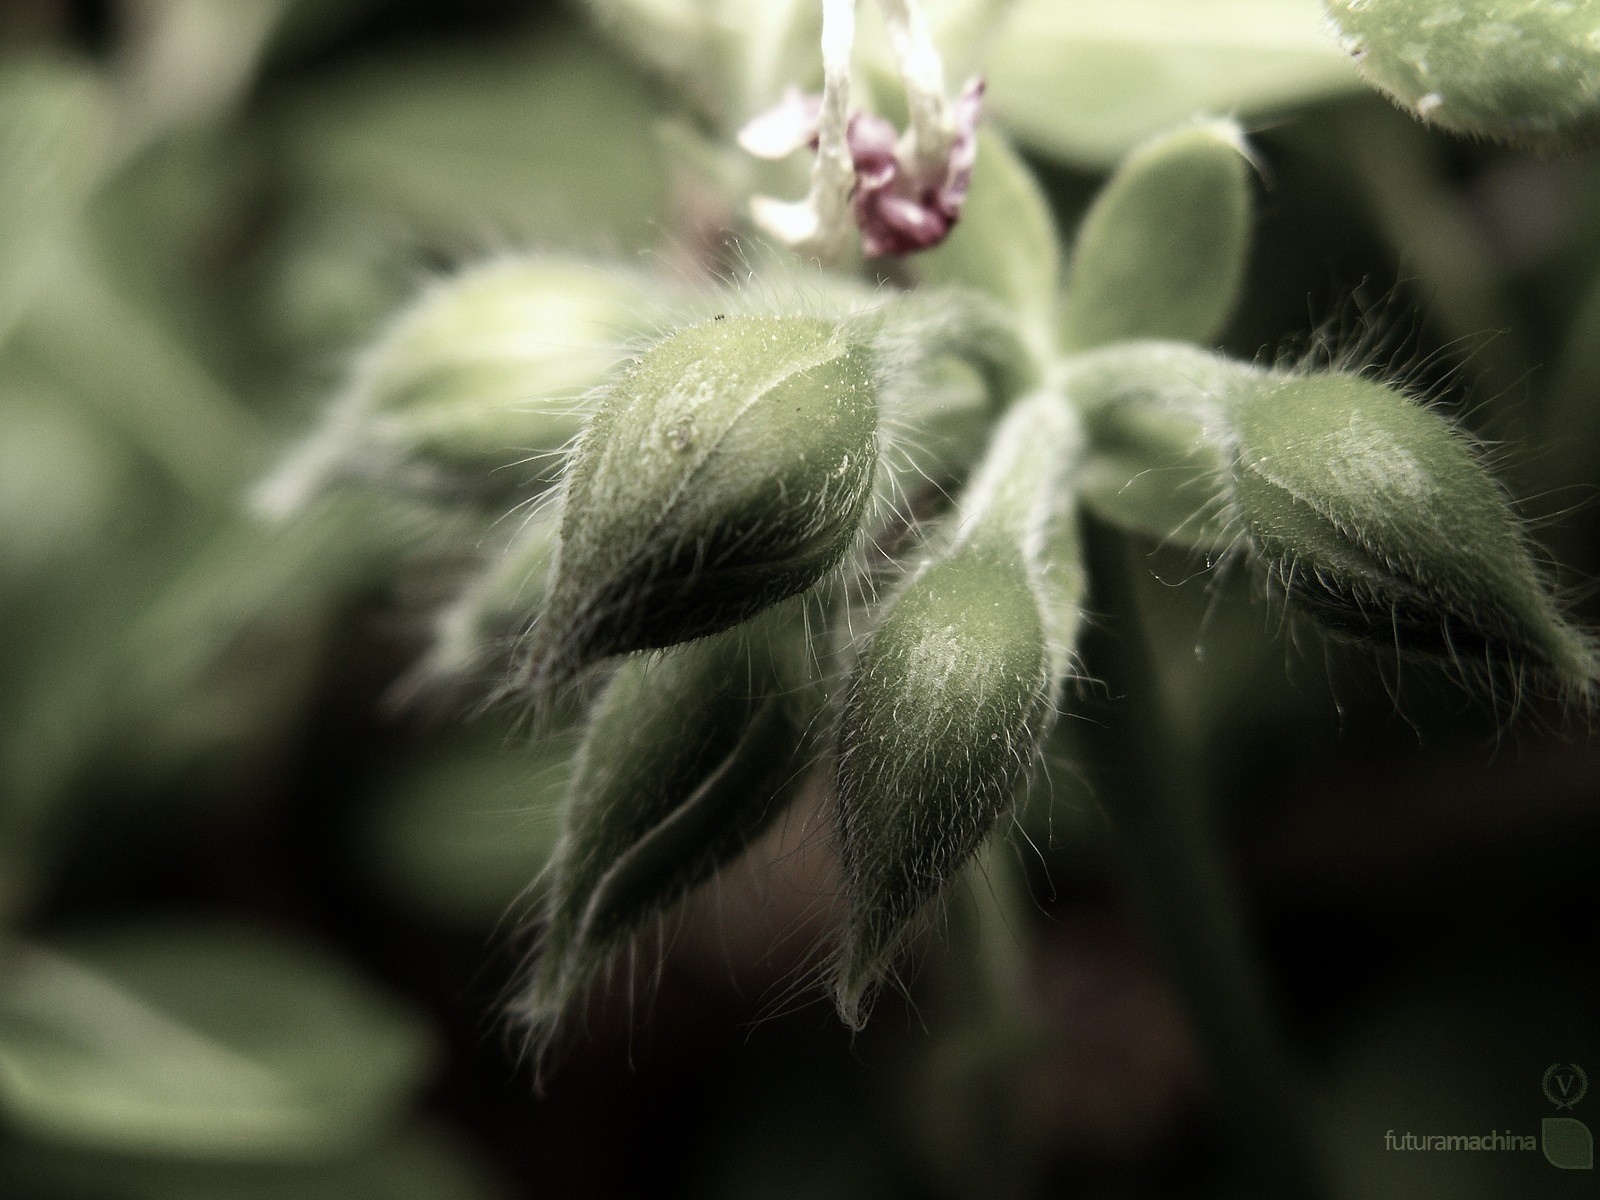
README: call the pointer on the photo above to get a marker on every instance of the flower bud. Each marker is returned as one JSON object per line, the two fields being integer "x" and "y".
{"x": 1161, "y": 254}
{"x": 1374, "y": 513}
{"x": 948, "y": 703}
{"x": 1523, "y": 71}
{"x": 729, "y": 469}
{"x": 684, "y": 762}
{"x": 478, "y": 387}
{"x": 489, "y": 370}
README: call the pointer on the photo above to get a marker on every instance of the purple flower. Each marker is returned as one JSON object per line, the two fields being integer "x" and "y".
{"x": 899, "y": 209}
{"x": 901, "y": 206}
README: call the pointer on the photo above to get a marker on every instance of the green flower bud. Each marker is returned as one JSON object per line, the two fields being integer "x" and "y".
{"x": 489, "y": 370}
{"x": 1374, "y": 513}
{"x": 1523, "y": 71}
{"x": 727, "y": 470}
{"x": 480, "y": 385}
{"x": 949, "y": 701}
{"x": 1162, "y": 252}
{"x": 684, "y": 762}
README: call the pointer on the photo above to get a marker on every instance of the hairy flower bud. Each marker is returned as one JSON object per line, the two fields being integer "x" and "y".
{"x": 1524, "y": 71}
{"x": 490, "y": 368}
{"x": 727, "y": 470}
{"x": 478, "y": 386}
{"x": 955, "y": 690}
{"x": 1374, "y": 513}
{"x": 683, "y": 763}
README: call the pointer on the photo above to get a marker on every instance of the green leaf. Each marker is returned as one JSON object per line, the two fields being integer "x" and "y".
{"x": 954, "y": 691}
{"x": 553, "y": 141}
{"x": 1162, "y": 252}
{"x": 1522, "y": 71}
{"x": 53, "y": 135}
{"x": 1087, "y": 81}
{"x": 201, "y": 1040}
{"x": 1005, "y": 244}
{"x": 422, "y": 1162}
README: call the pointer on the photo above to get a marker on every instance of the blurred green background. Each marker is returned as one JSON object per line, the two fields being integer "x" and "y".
{"x": 257, "y": 922}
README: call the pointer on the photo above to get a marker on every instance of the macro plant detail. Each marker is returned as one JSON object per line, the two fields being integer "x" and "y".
{"x": 708, "y": 543}
{"x": 872, "y": 460}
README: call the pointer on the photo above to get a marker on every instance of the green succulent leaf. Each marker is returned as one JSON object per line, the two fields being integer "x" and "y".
{"x": 201, "y": 1041}
{"x": 686, "y": 759}
{"x": 1087, "y": 82}
{"x": 1522, "y": 71}
{"x": 476, "y": 388}
{"x": 1162, "y": 252}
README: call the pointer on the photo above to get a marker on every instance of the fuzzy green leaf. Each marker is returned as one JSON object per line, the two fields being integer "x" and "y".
{"x": 477, "y": 386}
{"x": 489, "y": 370}
{"x": 1162, "y": 252}
{"x": 1523, "y": 71}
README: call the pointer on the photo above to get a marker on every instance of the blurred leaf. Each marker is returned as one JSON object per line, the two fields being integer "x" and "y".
{"x": 462, "y": 833}
{"x": 53, "y": 123}
{"x": 1086, "y": 81}
{"x": 163, "y": 233}
{"x": 141, "y": 381}
{"x": 186, "y": 62}
{"x": 553, "y": 141}
{"x": 64, "y": 483}
{"x": 731, "y": 58}
{"x": 422, "y": 1163}
{"x": 202, "y": 1040}
{"x": 332, "y": 276}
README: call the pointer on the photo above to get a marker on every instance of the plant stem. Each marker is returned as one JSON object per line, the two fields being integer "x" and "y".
{"x": 1175, "y": 869}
